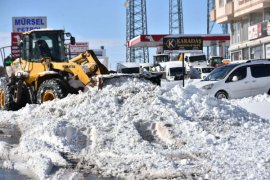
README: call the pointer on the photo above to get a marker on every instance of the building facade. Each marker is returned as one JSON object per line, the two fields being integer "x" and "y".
{"x": 249, "y": 22}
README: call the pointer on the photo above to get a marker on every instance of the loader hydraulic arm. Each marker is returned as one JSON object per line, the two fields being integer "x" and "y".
{"x": 91, "y": 61}
{"x": 83, "y": 67}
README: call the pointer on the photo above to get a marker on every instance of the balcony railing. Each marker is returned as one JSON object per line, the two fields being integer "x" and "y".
{"x": 242, "y": 7}
{"x": 224, "y": 13}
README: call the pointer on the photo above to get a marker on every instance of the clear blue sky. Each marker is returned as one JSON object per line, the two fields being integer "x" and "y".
{"x": 100, "y": 22}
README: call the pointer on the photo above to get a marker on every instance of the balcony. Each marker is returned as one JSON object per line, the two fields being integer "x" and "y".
{"x": 225, "y": 13}
{"x": 229, "y": 9}
{"x": 213, "y": 15}
{"x": 243, "y": 7}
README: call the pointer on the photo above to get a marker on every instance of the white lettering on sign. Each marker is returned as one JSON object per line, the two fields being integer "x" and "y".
{"x": 23, "y": 24}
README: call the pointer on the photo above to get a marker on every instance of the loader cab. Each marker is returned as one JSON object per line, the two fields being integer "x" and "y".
{"x": 40, "y": 44}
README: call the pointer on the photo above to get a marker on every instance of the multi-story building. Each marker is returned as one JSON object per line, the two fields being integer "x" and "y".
{"x": 249, "y": 22}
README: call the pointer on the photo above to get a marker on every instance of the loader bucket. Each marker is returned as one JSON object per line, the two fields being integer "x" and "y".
{"x": 114, "y": 79}
{"x": 154, "y": 78}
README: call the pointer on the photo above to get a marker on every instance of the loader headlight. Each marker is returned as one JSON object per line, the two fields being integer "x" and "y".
{"x": 208, "y": 86}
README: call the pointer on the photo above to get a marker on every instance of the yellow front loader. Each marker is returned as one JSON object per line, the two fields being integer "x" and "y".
{"x": 43, "y": 72}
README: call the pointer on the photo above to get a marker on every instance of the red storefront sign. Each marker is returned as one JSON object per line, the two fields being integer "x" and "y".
{"x": 15, "y": 41}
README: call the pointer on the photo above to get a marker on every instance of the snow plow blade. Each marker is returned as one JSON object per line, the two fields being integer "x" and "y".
{"x": 112, "y": 79}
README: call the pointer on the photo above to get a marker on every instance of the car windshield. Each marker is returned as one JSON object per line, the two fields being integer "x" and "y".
{"x": 220, "y": 73}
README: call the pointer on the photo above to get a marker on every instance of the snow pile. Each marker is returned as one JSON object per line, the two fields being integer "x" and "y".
{"x": 256, "y": 105}
{"x": 140, "y": 131}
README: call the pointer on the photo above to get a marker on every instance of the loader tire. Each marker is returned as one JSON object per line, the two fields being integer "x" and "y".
{"x": 7, "y": 101}
{"x": 26, "y": 97}
{"x": 51, "y": 89}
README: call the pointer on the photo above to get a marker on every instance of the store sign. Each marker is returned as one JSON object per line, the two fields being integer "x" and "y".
{"x": 15, "y": 41}
{"x": 253, "y": 32}
{"x": 23, "y": 24}
{"x": 183, "y": 43}
{"x": 79, "y": 47}
{"x": 258, "y": 30}
{"x": 15, "y": 38}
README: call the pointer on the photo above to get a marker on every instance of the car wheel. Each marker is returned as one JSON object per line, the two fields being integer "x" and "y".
{"x": 221, "y": 95}
{"x": 268, "y": 92}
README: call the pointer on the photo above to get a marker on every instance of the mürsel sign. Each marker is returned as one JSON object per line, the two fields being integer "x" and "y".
{"x": 183, "y": 43}
{"x": 23, "y": 24}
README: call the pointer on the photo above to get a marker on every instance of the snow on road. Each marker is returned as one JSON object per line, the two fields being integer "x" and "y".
{"x": 139, "y": 131}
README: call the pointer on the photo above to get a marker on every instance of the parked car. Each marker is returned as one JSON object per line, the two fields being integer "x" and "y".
{"x": 238, "y": 80}
{"x": 200, "y": 72}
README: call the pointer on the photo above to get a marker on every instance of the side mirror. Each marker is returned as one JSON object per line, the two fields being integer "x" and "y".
{"x": 235, "y": 78}
{"x": 72, "y": 40}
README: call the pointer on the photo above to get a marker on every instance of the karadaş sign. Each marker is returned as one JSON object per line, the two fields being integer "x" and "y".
{"x": 183, "y": 43}
{"x": 23, "y": 24}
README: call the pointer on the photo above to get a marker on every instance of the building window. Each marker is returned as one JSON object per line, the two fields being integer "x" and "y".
{"x": 266, "y": 14}
{"x": 236, "y": 56}
{"x": 221, "y": 3}
{"x": 267, "y": 51}
{"x": 245, "y": 25}
{"x": 245, "y": 53}
{"x": 256, "y": 52}
{"x": 236, "y": 31}
{"x": 256, "y": 18}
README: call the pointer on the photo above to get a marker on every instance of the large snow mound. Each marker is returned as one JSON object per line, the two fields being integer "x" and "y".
{"x": 135, "y": 130}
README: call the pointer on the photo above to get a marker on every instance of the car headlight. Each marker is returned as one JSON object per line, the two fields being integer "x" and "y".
{"x": 208, "y": 86}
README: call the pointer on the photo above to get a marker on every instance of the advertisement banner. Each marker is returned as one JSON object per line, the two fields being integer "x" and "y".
{"x": 78, "y": 48}
{"x": 15, "y": 41}
{"x": 23, "y": 24}
{"x": 258, "y": 30}
{"x": 183, "y": 43}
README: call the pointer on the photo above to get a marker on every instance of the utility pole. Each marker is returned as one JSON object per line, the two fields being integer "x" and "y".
{"x": 136, "y": 24}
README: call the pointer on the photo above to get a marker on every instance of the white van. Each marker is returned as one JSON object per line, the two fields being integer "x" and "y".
{"x": 173, "y": 70}
{"x": 238, "y": 80}
{"x": 200, "y": 72}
